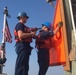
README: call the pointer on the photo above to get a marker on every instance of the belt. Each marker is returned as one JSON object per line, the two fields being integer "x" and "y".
{"x": 27, "y": 43}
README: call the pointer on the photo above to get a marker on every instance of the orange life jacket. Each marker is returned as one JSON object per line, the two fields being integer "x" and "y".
{"x": 17, "y": 39}
{"x": 40, "y": 43}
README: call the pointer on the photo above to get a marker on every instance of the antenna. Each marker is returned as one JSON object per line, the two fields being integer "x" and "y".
{"x": 50, "y": 1}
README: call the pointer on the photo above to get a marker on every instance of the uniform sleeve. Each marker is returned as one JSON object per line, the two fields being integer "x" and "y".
{"x": 44, "y": 34}
{"x": 20, "y": 27}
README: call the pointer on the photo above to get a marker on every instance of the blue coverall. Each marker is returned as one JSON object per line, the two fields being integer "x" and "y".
{"x": 23, "y": 50}
{"x": 43, "y": 53}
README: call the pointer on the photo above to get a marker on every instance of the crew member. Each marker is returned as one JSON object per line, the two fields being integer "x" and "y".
{"x": 23, "y": 38}
{"x": 43, "y": 44}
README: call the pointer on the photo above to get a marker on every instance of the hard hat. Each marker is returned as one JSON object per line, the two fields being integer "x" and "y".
{"x": 22, "y": 14}
{"x": 47, "y": 24}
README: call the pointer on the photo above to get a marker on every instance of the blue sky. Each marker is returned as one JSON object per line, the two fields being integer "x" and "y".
{"x": 39, "y": 12}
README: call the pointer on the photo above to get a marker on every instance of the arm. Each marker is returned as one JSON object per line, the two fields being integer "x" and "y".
{"x": 56, "y": 30}
{"x": 44, "y": 34}
{"x": 20, "y": 29}
{"x": 58, "y": 27}
{"x": 21, "y": 34}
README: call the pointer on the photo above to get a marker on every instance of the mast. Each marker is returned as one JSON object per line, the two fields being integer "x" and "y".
{"x": 2, "y": 48}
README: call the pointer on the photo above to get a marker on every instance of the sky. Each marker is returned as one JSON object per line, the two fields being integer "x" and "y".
{"x": 39, "y": 12}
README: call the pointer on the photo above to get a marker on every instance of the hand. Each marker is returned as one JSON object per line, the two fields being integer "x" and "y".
{"x": 60, "y": 24}
{"x": 33, "y": 33}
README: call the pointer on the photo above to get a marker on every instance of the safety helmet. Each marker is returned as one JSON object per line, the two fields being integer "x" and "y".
{"x": 47, "y": 24}
{"x": 22, "y": 14}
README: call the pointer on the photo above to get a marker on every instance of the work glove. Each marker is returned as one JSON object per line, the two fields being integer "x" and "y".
{"x": 60, "y": 24}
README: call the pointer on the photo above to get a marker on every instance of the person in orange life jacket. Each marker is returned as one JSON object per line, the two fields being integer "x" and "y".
{"x": 43, "y": 44}
{"x": 23, "y": 38}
